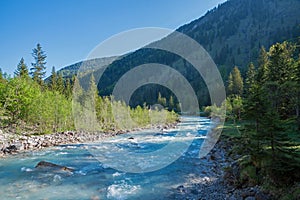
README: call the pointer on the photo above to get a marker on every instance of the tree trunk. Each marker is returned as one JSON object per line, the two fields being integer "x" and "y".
{"x": 272, "y": 145}
{"x": 298, "y": 117}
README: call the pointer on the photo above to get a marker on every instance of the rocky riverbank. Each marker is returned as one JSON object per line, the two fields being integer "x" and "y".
{"x": 215, "y": 181}
{"x": 11, "y": 143}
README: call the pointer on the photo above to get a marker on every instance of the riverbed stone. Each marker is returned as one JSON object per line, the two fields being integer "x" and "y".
{"x": 262, "y": 196}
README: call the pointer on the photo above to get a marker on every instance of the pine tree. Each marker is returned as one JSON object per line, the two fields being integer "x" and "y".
{"x": 161, "y": 100}
{"x": 68, "y": 88}
{"x": 235, "y": 86}
{"x": 298, "y": 92}
{"x": 171, "y": 103}
{"x": 22, "y": 69}
{"x": 279, "y": 76}
{"x": 280, "y": 66}
{"x": 250, "y": 78}
{"x": 263, "y": 62}
{"x": 53, "y": 79}
{"x": 38, "y": 67}
{"x": 60, "y": 85}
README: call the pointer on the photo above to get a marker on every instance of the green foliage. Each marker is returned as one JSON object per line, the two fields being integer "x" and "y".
{"x": 28, "y": 107}
{"x": 250, "y": 77}
{"x": 270, "y": 103}
{"x": 22, "y": 69}
{"x": 53, "y": 79}
{"x": 38, "y": 67}
{"x": 18, "y": 95}
{"x": 161, "y": 100}
{"x": 96, "y": 113}
{"x": 235, "y": 83}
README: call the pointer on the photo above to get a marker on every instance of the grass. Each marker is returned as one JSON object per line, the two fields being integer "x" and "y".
{"x": 231, "y": 130}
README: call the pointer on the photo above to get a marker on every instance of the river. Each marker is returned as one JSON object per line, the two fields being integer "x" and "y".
{"x": 94, "y": 179}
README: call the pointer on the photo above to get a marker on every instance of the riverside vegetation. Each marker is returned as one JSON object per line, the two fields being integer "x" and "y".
{"x": 263, "y": 122}
{"x": 29, "y": 106}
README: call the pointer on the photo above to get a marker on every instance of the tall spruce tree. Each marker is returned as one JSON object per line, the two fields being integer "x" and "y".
{"x": 250, "y": 77}
{"x": 60, "y": 85}
{"x": 53, "y": 79}
{"x": 279, "y": 76}
{"x": 235, "y": 82}
{"x": 22, "y": 69}
{"x": 263, "y": 61}
{"x": 298, "y": 92}
{"x": 38, "y": 69}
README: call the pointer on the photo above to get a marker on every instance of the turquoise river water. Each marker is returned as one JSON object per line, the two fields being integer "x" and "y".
{"x": 93, "y": 179}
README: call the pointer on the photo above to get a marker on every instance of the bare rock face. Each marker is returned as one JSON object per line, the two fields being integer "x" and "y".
{"x": 52, "y": 166}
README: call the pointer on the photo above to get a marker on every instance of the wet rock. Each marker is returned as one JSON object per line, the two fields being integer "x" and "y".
{"x": 262, "y": 196}
{"x": 131, "y": 138}
{"x": 181, "y": 189}
{"x": 10, "y": 149}
{"x": 250, "y": 198}
{"x": 248, "y": 194}
{"x": 49, "y": 165}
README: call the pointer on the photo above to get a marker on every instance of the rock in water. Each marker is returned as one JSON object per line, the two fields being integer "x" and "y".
{"x": 49, "y": 165}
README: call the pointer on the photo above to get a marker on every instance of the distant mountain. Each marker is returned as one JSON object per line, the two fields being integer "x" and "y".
{"x": 69, "y": 71}
{"x": 232, "y": 33}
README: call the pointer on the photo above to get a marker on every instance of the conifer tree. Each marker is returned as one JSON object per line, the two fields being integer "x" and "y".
{"x": 236, "y": 85}
{"x": 22, "y": 69}
{"x": 60, "y": 85}
{"x": 53, "y": 79}
{"x": 279, "y": 76}
{"x": 263, "y": 61}
{"x": 171, "y": 103}
{"x": 38, "y": 67}
{"x": 161, "y": 100}
{"x": 250, "y": 78}
{"x": 68, "y": 88}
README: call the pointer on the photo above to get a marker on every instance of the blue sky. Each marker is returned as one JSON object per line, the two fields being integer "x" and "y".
{"x": 69, "y": 29}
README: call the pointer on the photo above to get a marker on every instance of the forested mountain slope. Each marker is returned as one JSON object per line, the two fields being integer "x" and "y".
{"x": 232, "y": 34}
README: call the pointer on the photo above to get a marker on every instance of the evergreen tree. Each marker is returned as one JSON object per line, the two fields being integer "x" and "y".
{"x": 53, "y": 79}
{"x": 235, "y": 86}
{"x": 250, "y": 78}
{"x": 60, "y": 85}
{"x": 161, "y": 100}
{"x": 279, "y": 76}
{"x": 267, "y": 104}
{"x": 298, "y": 92}
{"x": 171, "y": 103}
{"x": 280, "y": 66}
{"x": 263, "y": 62}
{"x": 38, "y": 67}
{"x": 68, "y": 88}
{"x": 22, "y": 69}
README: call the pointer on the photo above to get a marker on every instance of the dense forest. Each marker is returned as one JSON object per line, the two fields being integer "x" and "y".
{"x": 264, "y": 107}
{"x": 30, "y": 105}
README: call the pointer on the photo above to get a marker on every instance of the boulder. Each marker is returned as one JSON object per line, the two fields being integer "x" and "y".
{"x": 52, "y": 166}
{"x": 10, "y": 149}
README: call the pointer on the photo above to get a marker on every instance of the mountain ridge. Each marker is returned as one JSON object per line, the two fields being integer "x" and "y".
{"x": 232, "y": 34}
